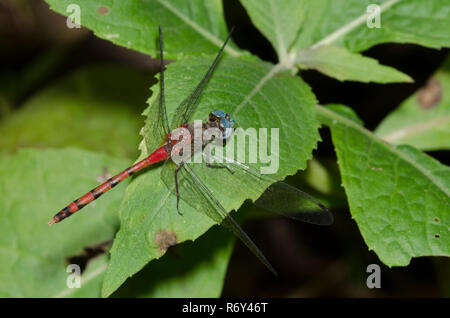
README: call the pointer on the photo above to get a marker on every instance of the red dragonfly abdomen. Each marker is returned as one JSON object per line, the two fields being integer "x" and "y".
{"x": 158, "y": 155}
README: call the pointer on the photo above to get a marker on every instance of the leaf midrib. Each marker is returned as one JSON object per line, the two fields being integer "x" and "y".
{"x": 415, "y": 129}
{"x": 351, "y": 26}
{"x": 281, "y": 44}
{"x": 85, "y": 279}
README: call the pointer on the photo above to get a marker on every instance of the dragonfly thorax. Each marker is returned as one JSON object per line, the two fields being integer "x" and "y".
{"x": 217, "y": 128}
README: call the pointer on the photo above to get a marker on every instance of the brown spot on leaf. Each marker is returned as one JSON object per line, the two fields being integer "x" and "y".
{"x": 165, "y": 239}
{"x": 437, "y": 220}
{"x": 102, "y": 10}
{"x": 430, "y": 95}
{"x": 437, "y": 235}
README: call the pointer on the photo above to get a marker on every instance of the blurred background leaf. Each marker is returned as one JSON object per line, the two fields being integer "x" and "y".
{"x": 34, "y": 256}
{"x": 423, "y": 120}
{"x": 95, "y": 108}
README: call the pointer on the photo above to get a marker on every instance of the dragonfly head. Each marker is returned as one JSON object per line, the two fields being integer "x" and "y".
{"x": 223, "y": 121}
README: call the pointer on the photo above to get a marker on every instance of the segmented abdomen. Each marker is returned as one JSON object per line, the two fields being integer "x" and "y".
{"x": 159, "y": 155}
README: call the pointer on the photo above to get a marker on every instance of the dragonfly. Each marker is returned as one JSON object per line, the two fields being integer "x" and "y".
{"x": 183, "y": 177}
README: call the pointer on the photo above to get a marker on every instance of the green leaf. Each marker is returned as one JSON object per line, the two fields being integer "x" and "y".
{"x": 249, "y": 89}
{"x": 293, "y": 26}
{"x": 189, "y": 27}
{"x": 423, "y": 120}
{"x": 91, "y": 280}
{"x": 96, "y": 108}
{"x": 343, "y": 23}
{"x": 399, "y": 196}
{"x": 346, "y": 112}
{"x": 35, "y": 185}
{"x": 191, "y": 269}
{"x": 300, "y": 24}
{"x": 344, "y": 65}
{"x": 279, "y": 21}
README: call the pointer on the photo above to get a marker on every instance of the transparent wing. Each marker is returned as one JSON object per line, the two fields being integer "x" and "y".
{"x": 278, "y": 197}
{"x": 157, "y": 124}
{"x": 187, "y": 107}
{"x": 154, "y": 128}
{"x": 164, "y": 122}
{"x": 194, "y": 192}
{"x": 289, "y": 201}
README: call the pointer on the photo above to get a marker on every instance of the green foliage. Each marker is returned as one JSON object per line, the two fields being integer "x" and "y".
{"x": 399, "y": 196}
{"x": 323, "y": 34}
{"x": 190, "y": 27}
{"x": 423, "y": 120}
{"x": 190, "y": 269}
{"x": 279, "y": 21}
{"x": 38, "y": 183}
{"x": 343, "y": 23}
{"x": 14, "y": 85}
{"x": 88, "y": 109}
{"x": 348, "y": 66}
{"x": 143, "y": 215}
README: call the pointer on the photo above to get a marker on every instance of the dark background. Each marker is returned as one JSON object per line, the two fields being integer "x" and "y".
{"x": 311, "y": 261}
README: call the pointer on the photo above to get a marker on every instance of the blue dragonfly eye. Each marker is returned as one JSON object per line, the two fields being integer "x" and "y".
{"x": 226, "y": 122}
{"x": 218, "y": 113}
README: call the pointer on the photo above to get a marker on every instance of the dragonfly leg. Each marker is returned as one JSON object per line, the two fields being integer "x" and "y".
{"x": 177, "y": 192}
{"x": 220, "y": 166}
